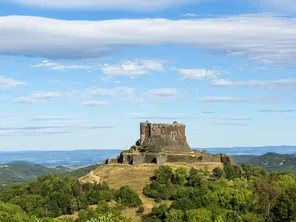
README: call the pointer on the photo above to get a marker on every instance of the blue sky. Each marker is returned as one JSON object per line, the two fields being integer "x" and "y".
{"x": 83, "y": 74}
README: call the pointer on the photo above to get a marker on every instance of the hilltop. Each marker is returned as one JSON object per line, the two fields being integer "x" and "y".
{"x": 137, "y": 177}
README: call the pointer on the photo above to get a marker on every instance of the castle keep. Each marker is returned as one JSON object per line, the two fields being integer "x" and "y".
{"x": 161, "y": 143}
{"x": 163, "y": 138}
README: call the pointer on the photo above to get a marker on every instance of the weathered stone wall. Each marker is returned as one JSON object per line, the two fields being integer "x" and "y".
{"x": 164, "y": 138}
{"x": 227, "y": 159}
{"x": 161, "y": 158}
{"x": 138, "y": 159}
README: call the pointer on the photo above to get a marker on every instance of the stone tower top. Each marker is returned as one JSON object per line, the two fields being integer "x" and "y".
{"x": 159, "y": 137}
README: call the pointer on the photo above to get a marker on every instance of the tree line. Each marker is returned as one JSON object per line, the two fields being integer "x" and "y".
{"x": 232, "y": 194}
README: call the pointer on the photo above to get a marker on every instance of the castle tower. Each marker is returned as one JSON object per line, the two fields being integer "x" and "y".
{"x": 164, "y": 138}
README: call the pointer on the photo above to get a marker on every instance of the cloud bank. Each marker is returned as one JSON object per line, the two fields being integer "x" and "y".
{"x": 266, "y": 39}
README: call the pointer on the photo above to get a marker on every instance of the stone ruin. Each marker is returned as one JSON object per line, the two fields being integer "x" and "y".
{"x": 162, "y": 143}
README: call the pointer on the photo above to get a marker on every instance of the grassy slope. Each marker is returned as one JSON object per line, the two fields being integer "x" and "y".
{"x": 135, "y": 176}
{"x": 80, "y": 172}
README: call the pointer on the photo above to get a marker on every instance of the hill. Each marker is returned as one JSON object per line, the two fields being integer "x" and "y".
{"x": 55, "y": 158}
{"x": 80, "y": 172}
{"x": 137, "y": 177}
{"x": 273, "y": 162}
{"x": 22, "y": 172}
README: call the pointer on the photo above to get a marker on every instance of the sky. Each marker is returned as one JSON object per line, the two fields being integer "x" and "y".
{"x": 83, "y": 74}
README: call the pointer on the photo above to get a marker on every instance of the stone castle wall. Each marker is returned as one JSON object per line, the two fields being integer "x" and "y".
{"x": 163, "y": 138}
{"x": 161, "y": 158}
{"x": 165, "y": 143}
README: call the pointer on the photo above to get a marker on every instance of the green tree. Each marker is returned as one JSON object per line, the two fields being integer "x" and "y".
{"x": 194, "y": 179}
{"x": 218, "y": 173}
{"x": 180, "y": 176}
{"x": 199, "y": 215}
{"x": 267, "y": 193}
{"x": 238, "y": 171}
{"x": 229, "y": 171}
{"x": 12, "y": 213}
{"x": 160, "y": 211}
{"x": 128, "y": 197}
{"x": 164, "y": 174}
{"x": 174, "y": 215}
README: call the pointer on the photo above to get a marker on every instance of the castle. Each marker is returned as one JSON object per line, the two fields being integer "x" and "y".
{"x": 162, "y": 143}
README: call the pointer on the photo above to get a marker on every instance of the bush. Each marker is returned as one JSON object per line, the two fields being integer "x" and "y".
{"x": 229, "y": 171}
{"x": 218, "y": 173}
{"x": 164, "y": 174}
{"x": 141, "y": 210}
{"x": 128, "y": 197}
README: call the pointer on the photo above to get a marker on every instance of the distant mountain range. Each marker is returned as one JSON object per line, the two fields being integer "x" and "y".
{"x": 254, "y": 150}
{"x": 56, "y": 158}
{"x": 86, "y": 157}
{"x": 52, "y": 161}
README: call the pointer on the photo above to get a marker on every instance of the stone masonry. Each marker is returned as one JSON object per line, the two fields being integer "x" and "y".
{"x": 162, "y": 143}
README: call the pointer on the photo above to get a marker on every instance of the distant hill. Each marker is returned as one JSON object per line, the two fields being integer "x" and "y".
{"x": 56, "y": 158}
{"x": 22, "y": 172}
{"x": 261, "y": 150}
{"x": 242, "y": 158}
{"x": 78, "y": 158}
{"x": 80, "y": 172}
{"x": 273, "y": 162}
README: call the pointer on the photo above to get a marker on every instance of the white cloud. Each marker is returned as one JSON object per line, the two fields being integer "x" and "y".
{"x": 9, "y": 83}
{"x": 45, "y": 95}
{"x": 238, "y": 118}
{"x": 58, "y": 66}
{"x": 168, "y": 117}
{"x": 49, "y": 130}
{"x": 276, "y": 110}
{"x": 282, "y": 83}
{"x": 118, "y": 91}
{"x": 190, "y": 15}
{"x": 36, "y": 98}
{"x": 162, "y": 93}
{"x": 26, "y": 100}
{"x": 230, "y": 124}
{"x": 102, "y": 4}
{"x": 95, "y": 103}
{"x": 215, "y": 99}
{"x": 198, "y": 73}
{"x": 50, "y": 118}
{"x": 267, "y": 39}
{"x": 132, "y": 68}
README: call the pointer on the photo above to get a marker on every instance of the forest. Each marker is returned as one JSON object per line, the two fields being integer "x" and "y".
{"x": 232, "y": 194}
